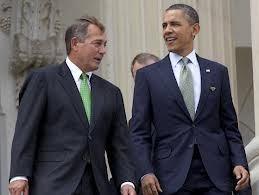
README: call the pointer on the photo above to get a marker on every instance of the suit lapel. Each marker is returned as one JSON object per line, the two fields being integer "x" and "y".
{"x": 206, "y": 73}
{"x": 67, "y": 81}
{"x": 97, "y": 93}
{"x": 168, "y": 79}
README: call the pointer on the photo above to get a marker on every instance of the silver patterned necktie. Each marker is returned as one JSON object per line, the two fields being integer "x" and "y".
{"x": 186, "y": 86}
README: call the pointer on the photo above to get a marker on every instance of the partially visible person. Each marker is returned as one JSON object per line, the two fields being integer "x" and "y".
{"x": 141, "y": 60}
{"x": 67, "y": 118}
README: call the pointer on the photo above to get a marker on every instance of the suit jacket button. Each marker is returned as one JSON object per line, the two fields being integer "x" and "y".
{"x": 190, "y": 145}
{"x": 89, "y": 137}
{"x": 193, "y": 125}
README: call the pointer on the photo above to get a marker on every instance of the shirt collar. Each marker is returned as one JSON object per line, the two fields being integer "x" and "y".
{"x": 75, "y": 70}
{"x": 175, "y": 58}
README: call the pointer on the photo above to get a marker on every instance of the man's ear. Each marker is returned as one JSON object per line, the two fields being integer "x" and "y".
{"x": 74, "y": 43}
{"x": 196, "y": 29}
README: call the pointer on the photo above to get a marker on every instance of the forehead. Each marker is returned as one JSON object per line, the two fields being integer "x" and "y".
{"x": 137, "y": 65}
{"x": 175, "y": 14}
{"x": 140, "y": 65}
{"x": 150, "y": 61}
{"x": 95, "y": 31}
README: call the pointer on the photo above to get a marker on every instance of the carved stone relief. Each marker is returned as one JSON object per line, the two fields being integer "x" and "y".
{"x": 37, "y": 38}
{"x": 5, "y": 16}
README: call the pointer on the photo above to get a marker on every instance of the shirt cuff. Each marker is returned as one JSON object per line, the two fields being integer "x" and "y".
{"x": 128, "y": 183}
{"x": 18, "y": 178}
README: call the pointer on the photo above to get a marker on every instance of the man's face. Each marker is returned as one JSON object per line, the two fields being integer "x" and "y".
{"x": 178, "y": 33}
{"x": 137, "y": 66}
{"x": 91, "y": 51}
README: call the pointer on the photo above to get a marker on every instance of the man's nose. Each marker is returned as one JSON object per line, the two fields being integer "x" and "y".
{"x": 103, "y": 49}
{"x": 168, "y": 29}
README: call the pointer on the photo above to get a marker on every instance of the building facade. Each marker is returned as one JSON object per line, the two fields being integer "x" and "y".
{"x": 32, "y": 33}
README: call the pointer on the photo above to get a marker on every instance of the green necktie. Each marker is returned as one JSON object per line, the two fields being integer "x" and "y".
{"x": 186, "y": 87}
{"x": 85, "y": 93}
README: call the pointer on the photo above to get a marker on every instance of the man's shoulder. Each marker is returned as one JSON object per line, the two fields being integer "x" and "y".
{"x": 209, "y": 62}
{"x": 103, "y": 82}
{"x": 152, "y": 68}
{"x": 49, "y": 68}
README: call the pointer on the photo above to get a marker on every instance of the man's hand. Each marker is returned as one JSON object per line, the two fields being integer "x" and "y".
{"x": 242, "y": 177}
{"x": 19, "y": 186}
{"x": 127, "y": 190}
{"x": 150, "y": 185}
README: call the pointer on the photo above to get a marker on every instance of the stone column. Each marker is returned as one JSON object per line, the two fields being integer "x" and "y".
{"x": 132, "y": 26}
{"x": 252, "y": 148}
{"x": 3, "y": 150}
{"x": 3, "y": 154}
{"x": 255, "y": 52}
{"x": 5, "y": 136}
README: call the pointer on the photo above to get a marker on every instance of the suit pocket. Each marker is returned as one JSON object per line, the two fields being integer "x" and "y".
{"x": 50, "y": 156}
{"x": 163, "y": 152}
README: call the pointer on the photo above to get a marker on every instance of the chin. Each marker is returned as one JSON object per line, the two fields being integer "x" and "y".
{"x": 95, "y": 68}
{"x": 171, "y": 50}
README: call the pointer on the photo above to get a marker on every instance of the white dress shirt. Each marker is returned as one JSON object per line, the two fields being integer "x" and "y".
{"x": 76, "y": 73}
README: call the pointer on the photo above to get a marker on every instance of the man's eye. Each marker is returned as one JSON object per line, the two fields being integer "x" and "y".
{"x": 97, "y": 43}
{"x": 175, "y": 24}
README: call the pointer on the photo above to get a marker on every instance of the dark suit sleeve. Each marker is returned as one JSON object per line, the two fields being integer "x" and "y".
{"x": 140, "y": 126}
{"x": 31, "y": 108}
{"x": 230, "y": 124}
{"x": 118, "y": 147}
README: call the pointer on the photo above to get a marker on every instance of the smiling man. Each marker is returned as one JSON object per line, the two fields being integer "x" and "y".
{"x": 68, "y": 117}
{"x": 198, "y": 147}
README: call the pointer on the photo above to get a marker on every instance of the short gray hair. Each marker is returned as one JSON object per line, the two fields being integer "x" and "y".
{"x": 143, "y": 58}
{"x": 79, "y": 29}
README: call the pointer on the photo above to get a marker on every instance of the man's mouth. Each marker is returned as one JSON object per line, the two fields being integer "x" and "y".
{"x": 98, "y": 59}
{"x": 170, "y": 40}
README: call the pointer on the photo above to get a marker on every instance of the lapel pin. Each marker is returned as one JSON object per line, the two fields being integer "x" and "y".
{"x": 212, "y": 88}
{"x": 207, "y": 70}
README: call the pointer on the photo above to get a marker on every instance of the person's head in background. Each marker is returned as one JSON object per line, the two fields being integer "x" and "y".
{"x": 141, "y": 60}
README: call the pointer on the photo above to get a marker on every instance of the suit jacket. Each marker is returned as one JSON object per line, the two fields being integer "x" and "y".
{"x": 53, "y": 139}
{"x": 158, "y": 100}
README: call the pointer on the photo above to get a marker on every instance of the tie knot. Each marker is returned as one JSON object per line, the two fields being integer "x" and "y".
{"x": 185, "y": 61}
{"x": 84, "y": 76}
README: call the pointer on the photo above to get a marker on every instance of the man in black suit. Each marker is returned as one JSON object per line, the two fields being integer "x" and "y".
{"x": 198, "y": 146}
{"x": 68, "y": 117}
{"x": 140, "y": 61}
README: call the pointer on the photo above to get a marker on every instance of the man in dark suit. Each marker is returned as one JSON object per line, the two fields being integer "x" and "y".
{"x": 68, "y": 117}
{"x": 139, "y": 61}
{"x": 187, "y": 98}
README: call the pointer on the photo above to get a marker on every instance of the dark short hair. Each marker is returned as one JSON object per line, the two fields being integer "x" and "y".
{"x": 79, "y": 29}
{"x": 143, "y": 58}
{"x": 190, "y": 12}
